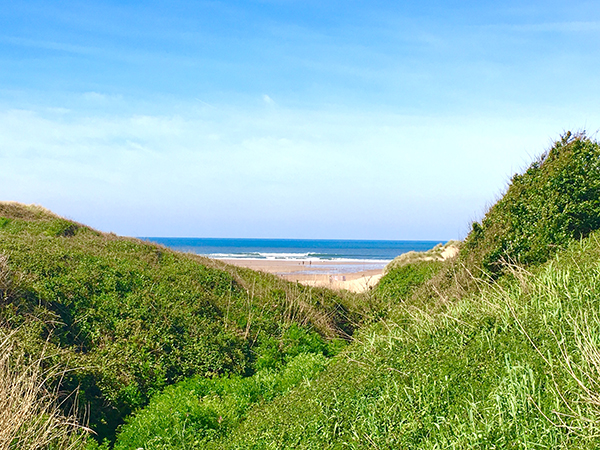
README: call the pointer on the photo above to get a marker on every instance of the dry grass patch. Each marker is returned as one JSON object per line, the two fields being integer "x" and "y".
{"x": 30, "y": 416}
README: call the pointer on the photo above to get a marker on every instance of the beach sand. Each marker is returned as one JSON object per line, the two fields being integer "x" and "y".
{"x": 332, "y": 274}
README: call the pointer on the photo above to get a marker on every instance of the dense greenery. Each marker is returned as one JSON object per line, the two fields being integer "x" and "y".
{"x": 514, "y": 366}
{"x": 199, "y": 412}
{"x": 557, "y": 199}
{"x": 401, "y": 281}
{"x": 131, "y": 317}
{"x": 511, "y": 367}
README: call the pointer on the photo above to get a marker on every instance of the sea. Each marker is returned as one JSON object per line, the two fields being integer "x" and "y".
{"x": 365, "y": 254}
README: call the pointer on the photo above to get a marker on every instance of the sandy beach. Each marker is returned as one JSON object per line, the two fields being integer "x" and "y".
{"x": 355, "y": 276}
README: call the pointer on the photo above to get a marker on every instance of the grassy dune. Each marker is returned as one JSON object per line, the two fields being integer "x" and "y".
{"x": 512, "y": 366}
{"x": 126, "y": 318}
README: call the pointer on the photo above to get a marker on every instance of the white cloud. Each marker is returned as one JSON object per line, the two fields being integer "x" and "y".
{"x": 561, "y": 27}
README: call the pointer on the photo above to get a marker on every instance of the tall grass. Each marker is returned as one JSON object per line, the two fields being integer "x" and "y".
{"x": 30, "y": 413}
{"x": 30, "y": 417}
{"x": 514, "y": 365}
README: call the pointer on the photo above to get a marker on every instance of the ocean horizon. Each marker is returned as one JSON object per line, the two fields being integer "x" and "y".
{"x": 380, "y": 251}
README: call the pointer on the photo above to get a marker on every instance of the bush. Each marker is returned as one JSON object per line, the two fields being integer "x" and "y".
{"x": 200, "y": 411}
{"x": 556, "y": 200}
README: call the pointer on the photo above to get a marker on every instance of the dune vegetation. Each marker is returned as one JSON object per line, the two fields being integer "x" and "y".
{"x": 495, "y": 347}
{"x": 125, "y": 318}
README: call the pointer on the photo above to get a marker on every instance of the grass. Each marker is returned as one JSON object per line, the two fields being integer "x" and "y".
{"x": 130, "y": 317}
{"x": 511, "y": 367}
{"x": 400, "y": 281}
{"x": 30, "y": 416}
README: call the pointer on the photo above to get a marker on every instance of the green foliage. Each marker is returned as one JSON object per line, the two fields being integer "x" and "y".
{"x": 401, "y": 280}
{"x": 197, "y": 412}
{"x": 276, "y": 350}
{"x": 130, "y": 317}
{"x": 514, "y": 366}
{"x": 557, "y": 199}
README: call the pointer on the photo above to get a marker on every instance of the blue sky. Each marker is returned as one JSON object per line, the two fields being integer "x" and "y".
{"x": 283, "y": 118}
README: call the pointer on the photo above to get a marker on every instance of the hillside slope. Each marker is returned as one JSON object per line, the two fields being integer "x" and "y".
{"x": 126, "y": 318}
{"x": 514, "y": 366}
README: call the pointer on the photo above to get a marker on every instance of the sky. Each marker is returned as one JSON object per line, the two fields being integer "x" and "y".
{"x": 284, "y": 118}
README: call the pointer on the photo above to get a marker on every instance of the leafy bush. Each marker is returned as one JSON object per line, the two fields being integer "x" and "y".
{"x": 276, "y": 350}
{"x": 557, "y": 199}
{"x": 200, "y": 411}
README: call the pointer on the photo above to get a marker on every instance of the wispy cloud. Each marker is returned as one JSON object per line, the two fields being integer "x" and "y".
{"x": 268, "y": 166}
{"x": 244, "y": 118}
{"x": 551, "y": 27}
{"x": 50, "y": 45}
{"x": 268, "y": 100}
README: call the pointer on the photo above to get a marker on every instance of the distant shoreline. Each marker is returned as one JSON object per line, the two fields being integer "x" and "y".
{"x": 356, "y": 276}
{"x": 295, "y": 249}
{"x": 355, "y": 265}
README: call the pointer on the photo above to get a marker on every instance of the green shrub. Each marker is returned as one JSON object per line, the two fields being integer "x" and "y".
{"x": 199, "y": 411}
{"x": 556, "y": 200}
